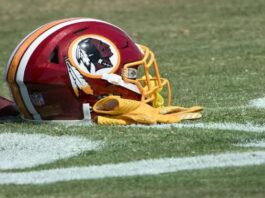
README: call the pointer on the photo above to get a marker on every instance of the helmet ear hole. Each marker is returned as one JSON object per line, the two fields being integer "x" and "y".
{"x": 54, "y": 57}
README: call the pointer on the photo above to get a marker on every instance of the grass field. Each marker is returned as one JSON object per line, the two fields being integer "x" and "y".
{"x": 213, "y": 54}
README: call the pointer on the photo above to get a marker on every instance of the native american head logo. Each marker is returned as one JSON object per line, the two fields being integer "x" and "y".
{"x": 94, "y": 55}
{"x": 90, "y": 56}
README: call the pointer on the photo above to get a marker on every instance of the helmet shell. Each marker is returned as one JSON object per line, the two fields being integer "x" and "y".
{"x": 60, "y": 66}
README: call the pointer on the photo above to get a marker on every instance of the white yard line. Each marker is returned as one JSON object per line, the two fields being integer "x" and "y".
{"x": 257, "y": 103}
{"x": 225, "y": 126}
{"x": 135, "y": 168}
{"x": 21, "y": 143}
{"x": 27, "y": 150}
{"x": 215, "y": 126}
{"x": 259, "y": 144}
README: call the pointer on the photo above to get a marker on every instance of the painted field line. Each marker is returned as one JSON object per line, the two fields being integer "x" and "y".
{"x": 258, "y": 103}
{"x": 225, "y": 126}
{"x": 253, "y": 144}
{"x": 27, "y": 150}
{"x": 135, "y": 168}
{"x": 215, "y": 126}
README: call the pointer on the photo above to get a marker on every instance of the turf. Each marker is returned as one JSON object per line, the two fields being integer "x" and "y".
{"x": 211, "y": 51}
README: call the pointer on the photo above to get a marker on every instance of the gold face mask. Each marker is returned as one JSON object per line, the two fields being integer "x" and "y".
{"x": 150, "y": 85}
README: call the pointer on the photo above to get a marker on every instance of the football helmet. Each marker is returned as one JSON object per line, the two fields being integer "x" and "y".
{"x": 62, "y": 68}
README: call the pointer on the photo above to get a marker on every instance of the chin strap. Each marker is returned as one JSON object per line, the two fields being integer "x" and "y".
{"x": 7, "y": 108}
{"x": 114, "y": 110}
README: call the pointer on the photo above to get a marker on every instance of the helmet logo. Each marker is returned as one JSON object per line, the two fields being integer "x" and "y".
{"x": 94, "y": 55}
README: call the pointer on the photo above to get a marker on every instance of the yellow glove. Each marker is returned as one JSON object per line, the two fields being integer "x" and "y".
{"x": 123, "y": 111}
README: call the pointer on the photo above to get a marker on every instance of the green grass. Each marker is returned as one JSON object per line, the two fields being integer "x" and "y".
{"x": 213, "y": 54}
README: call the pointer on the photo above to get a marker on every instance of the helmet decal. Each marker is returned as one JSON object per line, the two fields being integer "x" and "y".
{"x": 37, "y": 99}
{"x": 77, "y": 81}
{"x": 92, "y": 52}
{"x": 94, "y": 55}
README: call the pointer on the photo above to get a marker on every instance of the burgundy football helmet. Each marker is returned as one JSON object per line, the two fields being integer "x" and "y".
{"x": 62, "y": 68}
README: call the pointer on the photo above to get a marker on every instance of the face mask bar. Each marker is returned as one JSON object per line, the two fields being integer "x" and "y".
{"x": 149, "y": 86}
